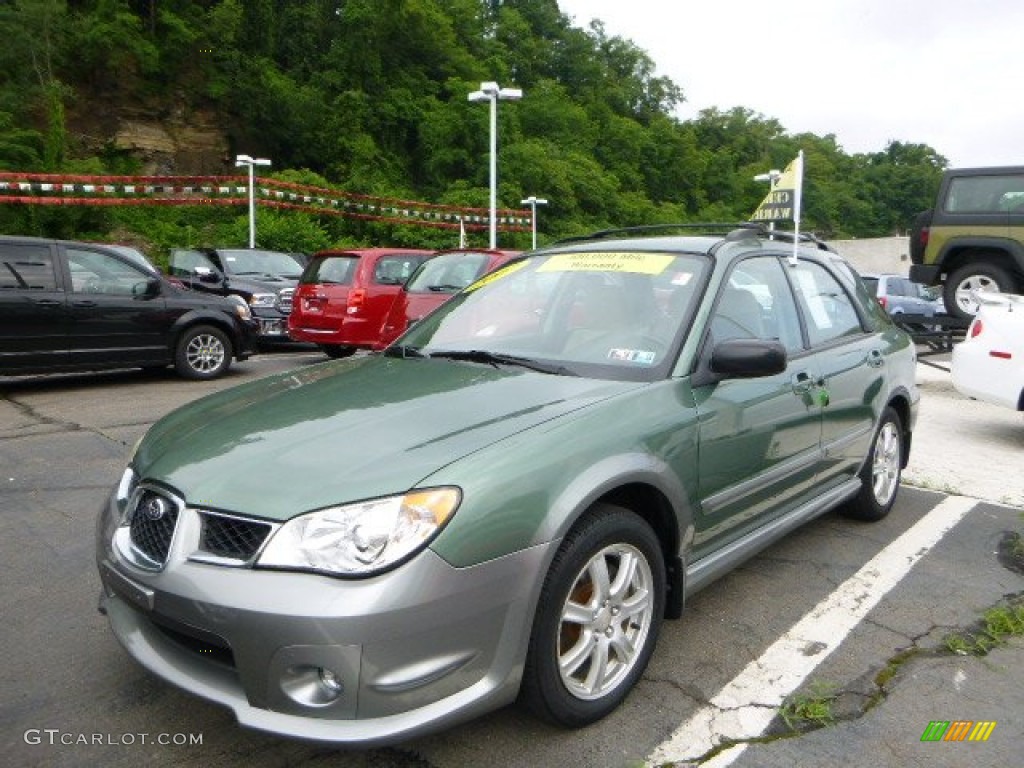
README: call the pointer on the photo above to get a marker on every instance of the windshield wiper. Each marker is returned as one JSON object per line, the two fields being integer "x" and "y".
{"x": 447, "y": 288}
{"x": 497, "y": 359}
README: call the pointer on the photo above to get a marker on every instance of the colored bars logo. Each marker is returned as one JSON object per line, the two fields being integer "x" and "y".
{"x": 958, "y": 730}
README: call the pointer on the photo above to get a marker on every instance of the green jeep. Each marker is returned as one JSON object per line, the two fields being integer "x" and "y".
{"x": 973, "y": 240}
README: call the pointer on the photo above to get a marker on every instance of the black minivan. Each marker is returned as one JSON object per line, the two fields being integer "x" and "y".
{"x": 72, "y": 306}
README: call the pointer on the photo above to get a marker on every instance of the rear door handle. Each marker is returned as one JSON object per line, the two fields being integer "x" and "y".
{"x": 48, "y": 303}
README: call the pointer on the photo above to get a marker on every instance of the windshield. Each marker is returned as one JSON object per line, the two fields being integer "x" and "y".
{"x": 448, "y": 273}
{"x": 243, "y": 261}
{"x": 606, "y": 315}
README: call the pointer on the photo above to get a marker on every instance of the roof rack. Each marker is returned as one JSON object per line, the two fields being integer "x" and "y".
{"x": 708, "y": 228}
{"x": 751, "y": 229}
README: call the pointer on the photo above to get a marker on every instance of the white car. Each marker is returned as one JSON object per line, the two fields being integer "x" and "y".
{"x": 989, "y": 363}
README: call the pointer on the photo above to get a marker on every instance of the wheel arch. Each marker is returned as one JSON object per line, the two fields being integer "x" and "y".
{"x": 900, "y": 402}
{"x": 205, "y": 317}
{"x": 647, "y": 487}
{"x": 961, "y": 252}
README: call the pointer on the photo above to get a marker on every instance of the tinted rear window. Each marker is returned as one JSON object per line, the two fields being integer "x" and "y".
{"x": 330, "y": 270}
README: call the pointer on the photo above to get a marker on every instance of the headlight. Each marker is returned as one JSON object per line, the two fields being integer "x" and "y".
{"x": 241, "y": 308}
{"x": 364, "y": 538}
{"x": 263, "y": 300}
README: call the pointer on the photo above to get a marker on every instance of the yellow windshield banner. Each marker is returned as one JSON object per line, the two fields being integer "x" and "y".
{"x": 496, "y": 275}
{"x": 638, "y": 263}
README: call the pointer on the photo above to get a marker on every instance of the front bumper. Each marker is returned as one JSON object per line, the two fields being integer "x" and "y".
{"x": 413, "y": 650}
{"x": 272, "y": 324}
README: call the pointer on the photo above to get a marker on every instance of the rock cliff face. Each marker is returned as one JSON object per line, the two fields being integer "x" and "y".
{"x": 165, "y": 144}
{"x": 169, "y": 148}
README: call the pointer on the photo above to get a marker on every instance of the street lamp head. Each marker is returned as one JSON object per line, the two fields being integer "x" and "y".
{"x": 772, "y": 175}
{"x": 531, "y": 200}
{"x": 510, "y": 94}
{"x": 241, "y": 160}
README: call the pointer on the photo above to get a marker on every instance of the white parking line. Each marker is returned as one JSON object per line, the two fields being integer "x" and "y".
{"x": 745, "y": 707}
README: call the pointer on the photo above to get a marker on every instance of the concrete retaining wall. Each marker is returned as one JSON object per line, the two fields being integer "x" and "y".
{"x": 877, "y": 254}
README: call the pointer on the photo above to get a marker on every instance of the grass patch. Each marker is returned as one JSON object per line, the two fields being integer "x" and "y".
{"x": 997, "y": 626}
{"x": 810, "y": 710}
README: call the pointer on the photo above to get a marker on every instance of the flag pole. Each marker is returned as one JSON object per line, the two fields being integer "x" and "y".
{"x": 797, "y": 195}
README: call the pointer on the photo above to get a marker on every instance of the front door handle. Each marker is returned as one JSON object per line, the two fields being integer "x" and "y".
{"x": 804, "y": 382}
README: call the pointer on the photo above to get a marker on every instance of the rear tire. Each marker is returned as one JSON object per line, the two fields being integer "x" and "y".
{"x": 597, "y": 619}
{"x": 337, "y": 351}
{"x": 880, "y": 477}
{"x": 203, "y": 353}
{"x": 980, "y": 276}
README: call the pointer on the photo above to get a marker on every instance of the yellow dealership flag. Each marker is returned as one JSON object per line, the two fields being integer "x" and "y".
{"x": 782, "y": 203}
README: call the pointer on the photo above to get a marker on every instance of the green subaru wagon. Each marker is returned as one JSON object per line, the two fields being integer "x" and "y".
{"x": 505, "y": 503}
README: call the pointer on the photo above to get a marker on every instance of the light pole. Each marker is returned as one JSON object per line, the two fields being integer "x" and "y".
{"x": 241, "y": 160}
{"x": 772, "y": 178}
{"x": 533, "y": 202}
{"x": 491, "y": 92}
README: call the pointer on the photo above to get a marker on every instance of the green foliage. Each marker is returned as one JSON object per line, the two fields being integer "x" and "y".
{"x": 369, "y": 96}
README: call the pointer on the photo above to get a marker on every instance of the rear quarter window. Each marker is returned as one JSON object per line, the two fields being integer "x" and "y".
{"x": 26, "y": 268}
{"x": 395, "y": 270}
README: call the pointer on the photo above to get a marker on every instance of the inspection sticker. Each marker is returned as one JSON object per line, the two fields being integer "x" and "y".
{"x": 639, "y": 263}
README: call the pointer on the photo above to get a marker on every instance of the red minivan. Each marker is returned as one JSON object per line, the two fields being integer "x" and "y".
{"x": 436, "y": 281}
{"x": 344, "y": 296}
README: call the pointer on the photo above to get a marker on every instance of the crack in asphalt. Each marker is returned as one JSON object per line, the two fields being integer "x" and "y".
{"x": 27, "y": 410}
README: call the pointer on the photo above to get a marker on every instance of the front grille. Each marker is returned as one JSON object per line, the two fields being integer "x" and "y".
{"x": 284, "y": 299}
{"x": 232, "y": 537}
{"x": 152, "y": 525}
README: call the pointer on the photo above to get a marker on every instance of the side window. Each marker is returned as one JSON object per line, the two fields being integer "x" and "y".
{"x": 98, "y": 272}
{"x": 184, "y": 262}
{"x": 825, "y": 304}
{"x": 26, "y": 268}
{"x": 986, "y": 194}
{"x": 757, "y": 303}
{"x": 395, "y": 270}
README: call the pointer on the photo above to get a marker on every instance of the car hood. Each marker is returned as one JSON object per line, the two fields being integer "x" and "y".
{"x": 348, "y": 430}
{"x": 261, "y": 283}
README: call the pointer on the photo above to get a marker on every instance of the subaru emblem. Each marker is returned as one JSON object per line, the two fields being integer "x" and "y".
{"x": 154, "y": 508}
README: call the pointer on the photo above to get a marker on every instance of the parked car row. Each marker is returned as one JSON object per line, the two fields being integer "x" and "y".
{"x": 68, "y": 306}
{"x": 366, "y": 298}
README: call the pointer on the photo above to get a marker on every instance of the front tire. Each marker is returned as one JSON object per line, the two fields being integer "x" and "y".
{"x": 203, "y": 353}
{"x": 982, "y": 277}
{"x": 597, "y": 620}
{"x": 880, "y": 477}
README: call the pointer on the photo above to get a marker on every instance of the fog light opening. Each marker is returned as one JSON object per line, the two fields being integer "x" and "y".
{"x": 312, "y": 686}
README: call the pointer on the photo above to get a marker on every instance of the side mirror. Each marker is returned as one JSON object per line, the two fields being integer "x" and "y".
{"x": 148, "y": 289}
{"x": 207, "y": 275}
{"x": 747, "y": 358}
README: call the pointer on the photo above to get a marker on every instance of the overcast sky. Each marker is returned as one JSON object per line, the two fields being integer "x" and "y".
{"x": 946, "y": 73}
